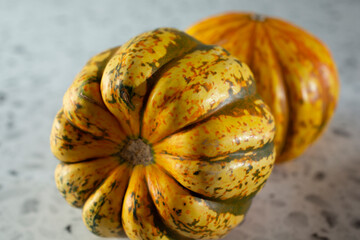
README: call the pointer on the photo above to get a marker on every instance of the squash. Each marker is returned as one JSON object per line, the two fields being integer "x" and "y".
{"x": 163, "y": 138}
{"x": 294, "y": 73}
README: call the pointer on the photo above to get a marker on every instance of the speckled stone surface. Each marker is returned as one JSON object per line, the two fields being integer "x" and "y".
{"x": 43, "y": 44}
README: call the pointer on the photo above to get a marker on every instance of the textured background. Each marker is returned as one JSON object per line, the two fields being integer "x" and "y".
{"x": 43, "y": 44}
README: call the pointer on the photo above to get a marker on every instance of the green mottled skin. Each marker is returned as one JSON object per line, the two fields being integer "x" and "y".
{"x": 163, "y": 138}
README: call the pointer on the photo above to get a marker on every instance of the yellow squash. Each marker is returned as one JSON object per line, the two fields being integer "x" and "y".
{"x": 163, "y": 138}
{"x": 294, "y": 73}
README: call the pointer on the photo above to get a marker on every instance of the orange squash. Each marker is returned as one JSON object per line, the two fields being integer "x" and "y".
{"x": 294, "y": 73}
{"x": 163, "y": 138}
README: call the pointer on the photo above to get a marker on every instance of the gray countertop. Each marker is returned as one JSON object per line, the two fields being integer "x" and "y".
{"x": 43, "y": 44}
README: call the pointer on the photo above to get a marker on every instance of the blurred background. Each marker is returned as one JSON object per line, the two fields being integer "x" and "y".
{"x": 43, "y": 44}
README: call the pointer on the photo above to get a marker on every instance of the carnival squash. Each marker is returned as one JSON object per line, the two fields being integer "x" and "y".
{"x": 294, "y": 73}
{"x": 163, "y": 138}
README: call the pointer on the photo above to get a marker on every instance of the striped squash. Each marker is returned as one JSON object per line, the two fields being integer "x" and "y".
{"x": 163, "y": 138}
{"x": 294, "y": 73}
